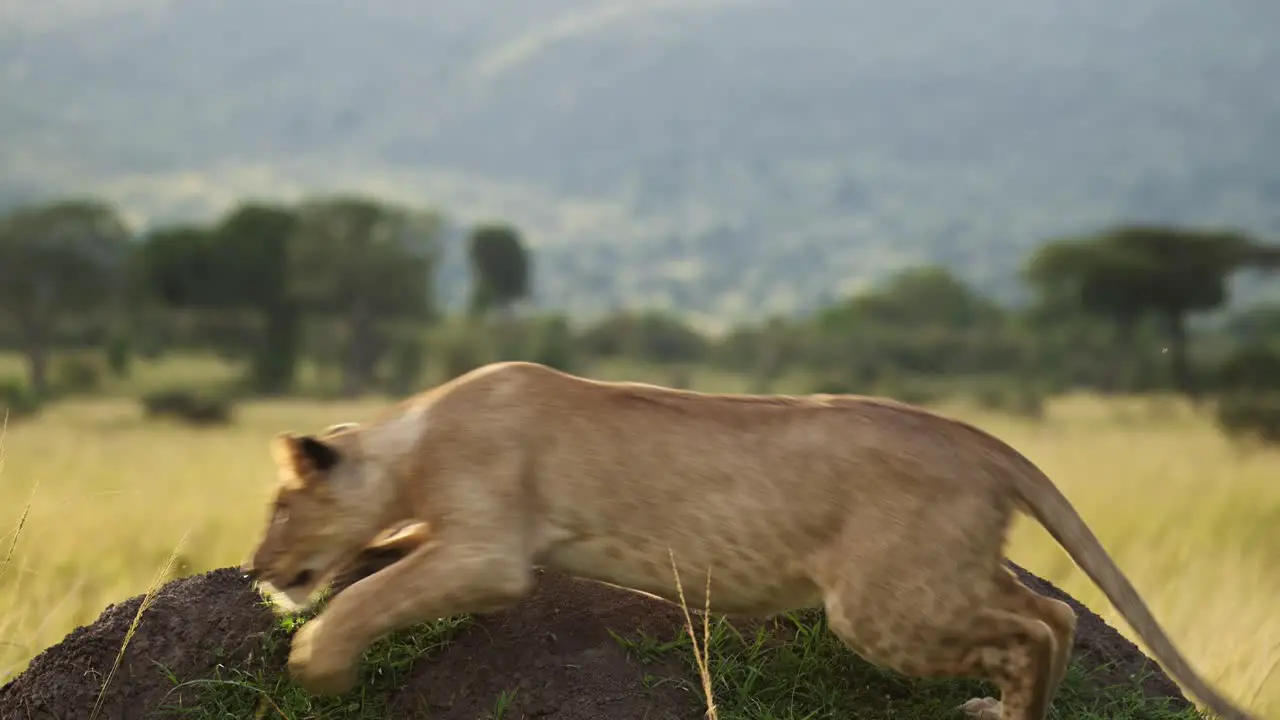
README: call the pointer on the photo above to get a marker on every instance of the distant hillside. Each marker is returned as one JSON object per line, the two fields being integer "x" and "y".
{"x": 727, "y": 157}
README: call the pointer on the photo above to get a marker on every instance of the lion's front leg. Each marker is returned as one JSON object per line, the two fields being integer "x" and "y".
{"x": 436, "y": 580}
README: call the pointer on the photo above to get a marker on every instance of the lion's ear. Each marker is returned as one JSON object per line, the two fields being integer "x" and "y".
{"x": 303, "y": 456}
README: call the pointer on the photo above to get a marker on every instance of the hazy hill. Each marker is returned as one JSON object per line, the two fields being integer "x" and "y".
{"x": 727, "y": 157}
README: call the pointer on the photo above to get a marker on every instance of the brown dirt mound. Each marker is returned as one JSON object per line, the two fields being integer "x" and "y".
{"x": 1118, "y": 661}
{"x": 190, "y": 625}
{"x": 554, "y": 650}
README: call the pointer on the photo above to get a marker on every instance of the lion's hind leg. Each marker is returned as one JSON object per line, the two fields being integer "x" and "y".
{"x": 1061, "y": 619}
{"x": 1014, "y": 597}
{"x": 959, "y": 618}
{"x": 1011, "y": 650}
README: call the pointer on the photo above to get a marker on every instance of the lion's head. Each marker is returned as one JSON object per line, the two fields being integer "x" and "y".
{"x": 327, "y": 508}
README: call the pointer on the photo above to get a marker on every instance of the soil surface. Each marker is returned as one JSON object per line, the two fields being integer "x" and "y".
{"x": 189, "y": 626}
{"x": 554, "y": 650}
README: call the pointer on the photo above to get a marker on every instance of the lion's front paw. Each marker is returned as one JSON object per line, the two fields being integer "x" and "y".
{"x": 986, "y": 708}
{"x": 318, "y": 669}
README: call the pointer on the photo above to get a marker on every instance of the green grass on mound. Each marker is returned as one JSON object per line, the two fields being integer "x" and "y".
{"x": 754, "y": 675}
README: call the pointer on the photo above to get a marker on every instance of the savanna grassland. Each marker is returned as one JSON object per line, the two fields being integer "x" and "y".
{"x": 105, "y": 497}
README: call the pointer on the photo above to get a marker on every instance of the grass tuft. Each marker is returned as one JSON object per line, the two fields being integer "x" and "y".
{"x": 700, "y": 655}
{"x": 147, "y": 599}
{"x": 258, "y": 686}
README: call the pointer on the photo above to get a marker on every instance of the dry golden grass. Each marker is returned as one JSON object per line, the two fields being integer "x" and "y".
{"x": 1194, "y": 521}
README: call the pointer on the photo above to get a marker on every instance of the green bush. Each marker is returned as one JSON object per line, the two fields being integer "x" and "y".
{"x": 1250, "y": 414}
{"x": 912, "y": 392}
{"x": 552, "y": 343}
{"x": 408, "y": 361}
{"x": 18, "y": 400}
{"x": 648, "y": 336}
{"x": 273, "y": 365}
{"x": 834, "y": 385}
{"x": 189, "y": 406}
{"x": 462, "y": 351}
{"x": 77, "y": 374}
{"x": 119, "y": 354}
{"x": 1250, "y": 369}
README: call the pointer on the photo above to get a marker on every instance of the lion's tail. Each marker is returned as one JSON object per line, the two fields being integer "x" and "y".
{"x": 1046, "y": 503}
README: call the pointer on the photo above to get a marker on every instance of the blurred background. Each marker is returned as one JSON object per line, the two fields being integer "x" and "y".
{"x": 220, "y": 219}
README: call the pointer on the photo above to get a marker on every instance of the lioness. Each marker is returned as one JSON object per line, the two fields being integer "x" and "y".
{"x": 890, "y": 517}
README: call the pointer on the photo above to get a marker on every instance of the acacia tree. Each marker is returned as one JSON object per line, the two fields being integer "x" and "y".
{"x": 368, "y": 263}
{"x": 1137, "y": 271}
{"x": 59, "y": 260}
{"x": 499, "y": 268}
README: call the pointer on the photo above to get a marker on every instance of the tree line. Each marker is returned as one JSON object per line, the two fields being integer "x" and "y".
{"x": 347, "y": 282}
{"x": 72, "y": 272}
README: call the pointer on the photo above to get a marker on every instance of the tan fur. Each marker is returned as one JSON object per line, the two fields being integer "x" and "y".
{"x": 890, "y": 517}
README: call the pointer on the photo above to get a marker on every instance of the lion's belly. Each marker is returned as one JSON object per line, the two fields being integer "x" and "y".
{"x": 741, "y": 582}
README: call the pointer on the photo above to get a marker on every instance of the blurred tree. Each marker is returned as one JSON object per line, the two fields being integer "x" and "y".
{"x": 166, "y": 279}
{"x": 366, "y": 262}
{"x": 651, "y": 335}
{"x": 59, "y": 260}
{"x": 408, "y": 362}
{"x": 552, "y": 342}
{"x": 926, "y": 296}
{"x": 922, "y": 320}
{"x": 251, "y": 262}
{"x": 1134, "y": 271}
{"x": 1256, "y": 325}
{"x": 119, "y": 354}
{"x": 1250, "y": 369}
{"x": 239, "y": 265}
{"x": 174, "y": 266}
{"x": 499, "y": 268}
